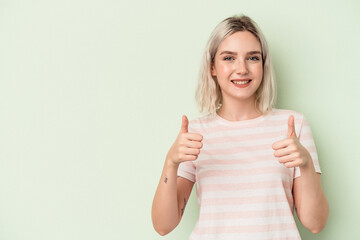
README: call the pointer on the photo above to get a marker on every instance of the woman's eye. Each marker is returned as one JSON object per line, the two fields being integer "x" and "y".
{"x": 228, "y": 58}
{"x": 254, "y": 58}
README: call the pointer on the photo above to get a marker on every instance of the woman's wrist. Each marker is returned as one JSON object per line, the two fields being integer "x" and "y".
{"x": 308, "y": 166}
{"x": 170, "y": 164}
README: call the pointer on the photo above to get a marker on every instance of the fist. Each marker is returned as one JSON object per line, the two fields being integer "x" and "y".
{"x": 289, "y": 151}
{"x": 186, "y": 146}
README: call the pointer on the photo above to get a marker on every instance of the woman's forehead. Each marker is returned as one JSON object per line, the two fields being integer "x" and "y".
{"x": 243, "y": 41}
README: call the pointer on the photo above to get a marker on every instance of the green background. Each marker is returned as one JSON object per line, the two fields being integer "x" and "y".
{"x": 92, "y": 94}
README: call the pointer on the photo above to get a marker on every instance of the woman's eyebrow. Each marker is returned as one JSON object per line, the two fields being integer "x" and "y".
{"x": 234, "y": 53}
{"x": 228, "y": 52}
{"x": 254, "y": 52}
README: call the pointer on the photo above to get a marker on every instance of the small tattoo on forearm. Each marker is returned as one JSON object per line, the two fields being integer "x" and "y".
{"x": 166, "y": 179}
{"x": 183, "y": 209}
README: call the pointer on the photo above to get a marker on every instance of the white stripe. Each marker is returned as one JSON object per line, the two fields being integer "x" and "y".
{"x": 240, "y": 155}
{"x": 245, "y": 179}
{"x": 187, "y": 168}
{"x": 271, "y": 162}
{"x": 277, "y": 116}
{"x": 246, "y": 221}
{"x": 305, "y": 129}
{"x": 242, "y": 143}
{"x": 246, "y": 207}
{"x": 248, "y": 236}
{"x": 245, "y": 193}
{"x": 246, "y": 131}
{"x": 308, "y": 142}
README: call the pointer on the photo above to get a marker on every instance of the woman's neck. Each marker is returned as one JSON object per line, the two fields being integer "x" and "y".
{"x": 239, "y": 110}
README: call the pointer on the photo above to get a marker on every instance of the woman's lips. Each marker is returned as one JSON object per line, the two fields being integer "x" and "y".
{"x": 241, "y": 83}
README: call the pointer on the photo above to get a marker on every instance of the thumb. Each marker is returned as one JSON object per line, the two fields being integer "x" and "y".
{"x": 291, "y": 127}
{"x": 184, "y": 124}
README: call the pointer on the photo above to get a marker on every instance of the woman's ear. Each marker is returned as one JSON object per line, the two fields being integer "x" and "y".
{"x": 213, "y": 71}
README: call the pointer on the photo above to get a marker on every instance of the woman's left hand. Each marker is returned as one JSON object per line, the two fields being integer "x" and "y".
{"x": 289, "y": 151}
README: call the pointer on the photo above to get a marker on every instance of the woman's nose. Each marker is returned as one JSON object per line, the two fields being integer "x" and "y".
{"x": 241, "y": 67}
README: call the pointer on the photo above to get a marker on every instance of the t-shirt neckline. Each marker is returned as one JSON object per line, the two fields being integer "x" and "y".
{"x": 241, "y": 122}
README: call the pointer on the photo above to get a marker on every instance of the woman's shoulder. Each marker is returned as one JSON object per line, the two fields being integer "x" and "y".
{"x": 202, "y": 121}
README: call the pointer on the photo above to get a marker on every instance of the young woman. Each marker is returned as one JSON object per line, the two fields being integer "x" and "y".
{"x": 252, "y": 163}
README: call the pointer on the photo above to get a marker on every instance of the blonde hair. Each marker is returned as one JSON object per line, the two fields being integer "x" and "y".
{"x": 208, "y": 93}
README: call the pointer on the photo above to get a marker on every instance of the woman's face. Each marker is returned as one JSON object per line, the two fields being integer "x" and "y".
{"x": 238, "y": 66}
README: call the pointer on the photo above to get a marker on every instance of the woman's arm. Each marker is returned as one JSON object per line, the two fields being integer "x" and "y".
{"x": 311, "y": 205}
{"x": 172, "y": 192}
{"x": 170, "y": 199}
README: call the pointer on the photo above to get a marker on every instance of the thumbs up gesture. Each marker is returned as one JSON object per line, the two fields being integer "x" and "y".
{"x": 289, "y": 151}
{"x": 186, "y": 146}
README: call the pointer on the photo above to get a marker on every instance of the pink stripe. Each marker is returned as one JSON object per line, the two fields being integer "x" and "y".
{"x": 242, "y": 200}
{"x": 221, "y": 128}
{"x": 247, "y": 229}
{"x": 243, "y": 186}
{"x": 311, "y": 149}
{"x": 237, "y": 149}
{"x": 306, "y": 136}
{"x": 278, "y": 112}
{"x": 203, "y": 120}
{"x": 285, "y": 238}
{"x": 247, "y": 137}
{"x": 234, "y": 161}
{"x": 242, "y": 172}
{"x": 246, "y": 214}
{"x": 285, "y": 114}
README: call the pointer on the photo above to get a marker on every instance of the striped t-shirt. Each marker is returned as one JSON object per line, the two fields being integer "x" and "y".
{"x": 243, "y": 191}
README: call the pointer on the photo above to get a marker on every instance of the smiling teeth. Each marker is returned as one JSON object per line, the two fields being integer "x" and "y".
{"x": 241, "y": 82}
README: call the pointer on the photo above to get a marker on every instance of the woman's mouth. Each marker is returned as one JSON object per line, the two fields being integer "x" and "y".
{"x": 241, "y": 83}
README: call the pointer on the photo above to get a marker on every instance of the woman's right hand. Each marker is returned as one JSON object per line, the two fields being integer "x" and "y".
{"x": 186, "y": 146}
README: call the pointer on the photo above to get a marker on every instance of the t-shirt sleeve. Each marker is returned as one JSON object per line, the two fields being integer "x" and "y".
{"x": 306, "y": 139}
{"x": 187, "y": 170}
